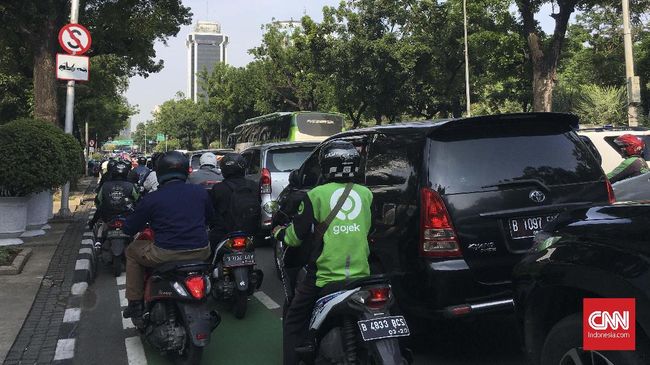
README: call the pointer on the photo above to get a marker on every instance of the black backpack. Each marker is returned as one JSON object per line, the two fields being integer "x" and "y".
{"x": 244, "y": 208}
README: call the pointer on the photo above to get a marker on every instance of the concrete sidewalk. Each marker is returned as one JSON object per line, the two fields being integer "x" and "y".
{"x": 19, "y": 291}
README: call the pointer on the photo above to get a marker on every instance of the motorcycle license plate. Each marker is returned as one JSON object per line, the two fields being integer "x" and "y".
{"x": 115, "y": 234}
{"x": 239, "y": 259}
{"x": 385, "y": 327}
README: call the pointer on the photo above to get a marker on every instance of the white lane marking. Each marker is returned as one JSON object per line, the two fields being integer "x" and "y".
{"x": 127, "y": 323}
{"x": 121, "y": 280}
{"x": 266, "y": 300}
{"x": 82, "y": 264}
{"x": 64, "y": 349}
{"x": 135, "y": 351}
{"x": 71, "y": 315}
{"x": 88, "y": 234}
{"x": 79, "y": 288}
{"x": 123, "y": 301}
{"x": 83, "y": 251}
{"x": 87, "y": 242}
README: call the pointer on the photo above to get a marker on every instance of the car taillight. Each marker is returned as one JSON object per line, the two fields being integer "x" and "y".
{"x": 437, "y": 235}
{"x": 378, "y": 297}
{"x": 610, "y": 192}
{"x": 265, "y": 181}
{"x": 238, "y": 243}
{"x": 118, "y": 223}
{"x": 196, "y": 286}
{"x": 190, "y": 169}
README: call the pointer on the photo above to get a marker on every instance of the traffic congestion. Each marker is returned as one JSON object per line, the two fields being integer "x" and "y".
{"x": 416, "y": 234}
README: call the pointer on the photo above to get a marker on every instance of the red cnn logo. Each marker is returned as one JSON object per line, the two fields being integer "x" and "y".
{"x": 609, "y": 324}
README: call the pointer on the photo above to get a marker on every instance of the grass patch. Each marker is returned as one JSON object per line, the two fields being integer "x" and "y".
{"x": 7, "y": 255}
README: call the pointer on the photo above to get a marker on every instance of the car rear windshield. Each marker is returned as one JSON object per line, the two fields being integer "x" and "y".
{"x": 476, "y": 158}
{"x": 287, "y": 159}
{"x": 646, "y": 140}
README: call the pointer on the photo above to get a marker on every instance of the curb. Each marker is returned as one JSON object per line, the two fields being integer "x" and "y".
{"x": 85, "y": 271}
{"x": 18, "y": 263}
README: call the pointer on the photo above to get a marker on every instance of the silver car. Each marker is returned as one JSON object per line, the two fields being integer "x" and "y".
{"x": 270, "y": 165}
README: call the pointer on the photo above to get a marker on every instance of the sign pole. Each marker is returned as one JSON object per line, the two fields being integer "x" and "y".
{"x": 87, "y": 149}
{"x": 64, "y": 211}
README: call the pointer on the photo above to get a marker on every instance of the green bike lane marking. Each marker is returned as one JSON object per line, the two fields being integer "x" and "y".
{"x": 254, "y": 340}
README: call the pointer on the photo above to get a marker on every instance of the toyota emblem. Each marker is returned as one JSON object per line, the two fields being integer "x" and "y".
{"x": 537, "y": 196}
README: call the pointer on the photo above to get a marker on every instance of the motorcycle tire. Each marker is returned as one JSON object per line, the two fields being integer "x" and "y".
{"x": 240, "y": 303}
{"x": 191, "y": 356}
{"x": 116, "y": 266}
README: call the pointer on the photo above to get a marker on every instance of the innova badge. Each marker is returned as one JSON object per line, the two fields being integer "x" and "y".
{"x": 537, "y": 196}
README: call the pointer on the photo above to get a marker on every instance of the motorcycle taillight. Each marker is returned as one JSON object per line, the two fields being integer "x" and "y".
{"x": 118, "y": 223}
{"x": 378, "y": 296}
{"x": 239, "y": 243}
{"x": 196, "y": 286}
{"x": 146, "y": 234}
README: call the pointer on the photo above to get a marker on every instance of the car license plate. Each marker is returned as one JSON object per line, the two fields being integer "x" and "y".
{"x": 528, "y": 226}
{"x": 385, "y": 327}
{"x": 239, "y": 259}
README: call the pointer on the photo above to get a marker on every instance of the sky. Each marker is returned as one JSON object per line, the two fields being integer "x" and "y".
{"x": 242, "y": 22}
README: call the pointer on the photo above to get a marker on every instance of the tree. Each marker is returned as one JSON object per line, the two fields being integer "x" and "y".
{"x": 131, "y": 37}
{"x": 179, "y": 119}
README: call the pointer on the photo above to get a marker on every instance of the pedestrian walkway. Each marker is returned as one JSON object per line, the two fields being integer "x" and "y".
{"x": 33, "y": 303}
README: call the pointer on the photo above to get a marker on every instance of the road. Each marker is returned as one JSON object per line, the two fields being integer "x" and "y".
{"x": 105, "y": 338}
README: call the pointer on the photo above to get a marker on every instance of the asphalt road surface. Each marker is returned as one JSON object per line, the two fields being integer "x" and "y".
{"x": 106, "y": 339}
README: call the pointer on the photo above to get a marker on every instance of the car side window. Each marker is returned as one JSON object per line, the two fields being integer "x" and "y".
{"x": 310, "y": 171}
{"x": 390, "y": 160}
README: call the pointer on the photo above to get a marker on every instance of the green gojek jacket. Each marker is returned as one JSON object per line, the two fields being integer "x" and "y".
{"x": 630, "y": 167}
{"x": 345, "y": 248}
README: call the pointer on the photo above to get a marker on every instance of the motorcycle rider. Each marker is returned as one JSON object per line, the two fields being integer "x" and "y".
{"x": 344, "y": 252}
{"x": 207, "y": 175}
{"x": 634, "y": 164}
{"x": 150, "y": 180}
{"x": 139, "y": 172}
{"x": 115, "y": 195}
{"x": 233, "y": 166}
{"x": 178, "y": 214}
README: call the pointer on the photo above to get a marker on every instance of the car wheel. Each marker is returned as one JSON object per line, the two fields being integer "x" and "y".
{"x": 563, "y": 346}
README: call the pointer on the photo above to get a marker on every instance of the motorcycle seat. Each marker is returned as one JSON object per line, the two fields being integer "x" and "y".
{"x": 182, "y": 266}
{"x": 354, "y": 283}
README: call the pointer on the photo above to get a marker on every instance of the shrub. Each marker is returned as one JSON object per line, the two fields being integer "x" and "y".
{"x": 38, "y": 156}
{"x": 602, "y": 105}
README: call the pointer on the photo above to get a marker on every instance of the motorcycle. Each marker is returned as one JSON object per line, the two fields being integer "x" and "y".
{"x": 176, "y": 319}
{"x": 234, "y": 275}
{"x": 111, "y": 241}
{"x": 352, "y": 324}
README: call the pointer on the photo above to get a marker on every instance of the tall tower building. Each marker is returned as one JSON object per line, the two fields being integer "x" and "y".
{"x": 205, "y": 47}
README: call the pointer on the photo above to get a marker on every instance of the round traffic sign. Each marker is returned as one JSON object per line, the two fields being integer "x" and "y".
{"x": 75, "y": 39}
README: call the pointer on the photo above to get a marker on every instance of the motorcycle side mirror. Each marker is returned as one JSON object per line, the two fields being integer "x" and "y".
{"x": 294, "y": 179}
{"x": 274, "y": 206}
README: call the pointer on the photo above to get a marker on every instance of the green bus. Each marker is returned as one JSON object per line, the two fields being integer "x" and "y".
{"x": 285, "y": 127}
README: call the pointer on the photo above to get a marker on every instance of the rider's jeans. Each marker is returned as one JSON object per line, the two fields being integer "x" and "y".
{"x": 143, "y": 254}
{"x": 296, "y": 322}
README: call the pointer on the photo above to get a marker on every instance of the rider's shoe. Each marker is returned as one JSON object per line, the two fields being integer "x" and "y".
{"x": 134, "y": 309}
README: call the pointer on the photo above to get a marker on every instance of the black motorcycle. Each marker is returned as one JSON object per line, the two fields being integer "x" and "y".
{"x": 111, "y": 241}
{"x": 234, "y": 275}
{"x": 176, "y": 319}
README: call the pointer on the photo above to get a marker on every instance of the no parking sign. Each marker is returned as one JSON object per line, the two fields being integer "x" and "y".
{"x": 75, "y": 39}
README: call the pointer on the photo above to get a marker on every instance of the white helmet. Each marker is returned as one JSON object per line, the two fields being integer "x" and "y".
{"x": 208, "y": 158}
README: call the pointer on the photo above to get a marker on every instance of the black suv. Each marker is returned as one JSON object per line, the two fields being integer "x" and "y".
{"x": 457, "y": 202}
{"x": 596, "y": 252}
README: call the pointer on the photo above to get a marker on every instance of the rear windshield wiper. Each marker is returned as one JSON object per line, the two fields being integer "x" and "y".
{"x": 518, "y": 182}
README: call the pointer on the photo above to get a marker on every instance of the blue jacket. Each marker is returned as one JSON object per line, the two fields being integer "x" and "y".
{"x": 178, "y": 214}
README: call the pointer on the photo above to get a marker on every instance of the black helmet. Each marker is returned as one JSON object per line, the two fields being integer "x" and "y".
{"x": 120, "y": 170}
{"x": 142, "y": 161}
{"x": 338, "y": 160}
{"x": 232, "y": 164}
{"x": 172, "y": 165}
{"x": 111, "y": 164}
{"x": 153, "y": 159}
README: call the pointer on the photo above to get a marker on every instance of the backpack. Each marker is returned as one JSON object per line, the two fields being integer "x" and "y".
{"x": 244, "y": 208}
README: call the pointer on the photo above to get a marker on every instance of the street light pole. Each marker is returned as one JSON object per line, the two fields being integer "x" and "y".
{"x": 64, "y": 211}
{"x": 633, "y": 87}
{"x": 467, "y": 96}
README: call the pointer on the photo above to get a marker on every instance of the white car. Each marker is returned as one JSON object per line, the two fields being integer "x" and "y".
{"x": 603, "y": 140}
